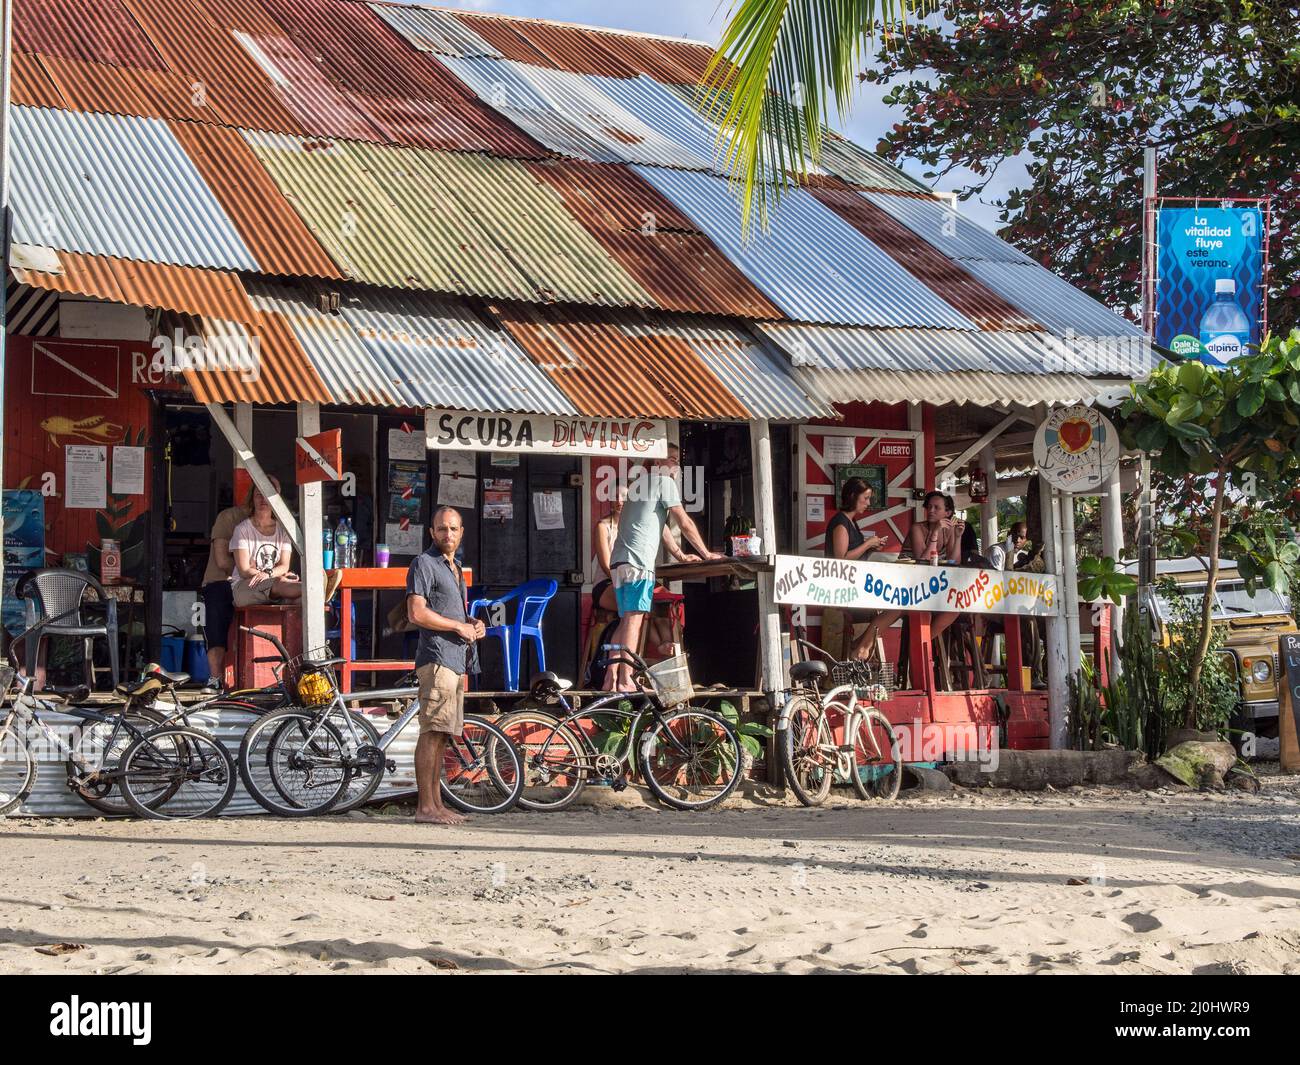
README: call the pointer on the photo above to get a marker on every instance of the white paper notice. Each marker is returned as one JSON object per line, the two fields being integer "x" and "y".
{"x": 402, "y": 541}
{"x": 404, "y": 445}
{"x": 457, "y": 491}
{"x": 548, "y": 509}
{"x": 86, "y": 474}
{"x": 461, "y": 462}
{"x": 838, "y": 450}
{"x": 816, "y": 508}
{"x": 128, "y": 471}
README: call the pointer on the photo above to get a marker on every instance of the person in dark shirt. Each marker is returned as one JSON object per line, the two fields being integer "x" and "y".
{"x": 845, "y": 540}
{"x": 435, "y": 603}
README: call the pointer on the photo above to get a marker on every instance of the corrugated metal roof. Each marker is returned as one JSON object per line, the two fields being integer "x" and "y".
{"x": 932, "y": 267}
{"x": 177, "y": 288}
{"x": 812, "y": 265}
{"x": 922, "y": 350}
{"x": 270, "y": 364}
{"x": 435, "y": 31}
{"x": 658, "y": 245}
{"x": 854, "y": 164}
{"x": 30, "y": 84}
{"x": 964, "y": 386}
{"x": 536, "y": 97}
{"x": 410, "y": 349}
{"x": 112, "y": 185}
{"x": 747, "y": 366}
{"x": 100, "y": 30}
{"x": 86, "y": 86}
{"x": 606, "y": 370}
{"x": 279, "y": 240}
{"x": 998, "y": 265}
{"x": 574, "y": 49}
{"x": 664, "y": 111}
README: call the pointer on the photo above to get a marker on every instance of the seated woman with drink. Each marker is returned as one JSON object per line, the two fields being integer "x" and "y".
{"x": 845, "y": 540}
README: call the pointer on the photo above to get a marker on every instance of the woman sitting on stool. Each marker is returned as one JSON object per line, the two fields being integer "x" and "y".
{"x": 845, "y": 540}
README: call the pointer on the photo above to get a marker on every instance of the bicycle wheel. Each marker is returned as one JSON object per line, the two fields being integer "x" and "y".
{"x": 690, "y": 759}
{"x": 877, "y": 757}
{"x": 101, "y": 791}
{"x": 481, "y": 770}
{"x": 808, "y": 754}
{"x": 362, "y": 785}
{"x": 555, "y": 776}
{"x": 17, "y": 767}
{"x": 191, "y": 766}
{"x": 291, "y": 762}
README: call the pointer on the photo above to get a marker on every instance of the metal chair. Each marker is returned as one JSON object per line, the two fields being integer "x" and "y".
{"x": 532, "y": 597}
{"x": 58, "y": 596}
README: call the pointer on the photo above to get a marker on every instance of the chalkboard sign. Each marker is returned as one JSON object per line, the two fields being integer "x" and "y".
{"x": 873, "y": 475}
{"x": 1289, "y": 692}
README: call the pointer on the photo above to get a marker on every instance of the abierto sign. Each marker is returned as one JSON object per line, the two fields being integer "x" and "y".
{"x": 546, "y": 434}
{"x": 807, "y": 581}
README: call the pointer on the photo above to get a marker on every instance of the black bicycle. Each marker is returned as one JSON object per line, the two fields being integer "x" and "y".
{"x": 689, "y": 757}
{"x": 162, "y": 766}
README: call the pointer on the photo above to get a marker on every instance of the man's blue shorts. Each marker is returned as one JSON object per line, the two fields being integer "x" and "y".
{"x": 634, "y": 592}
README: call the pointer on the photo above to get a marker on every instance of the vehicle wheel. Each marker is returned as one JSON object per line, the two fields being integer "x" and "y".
{"x": 690, "y": 760}
{"x": 877, "y": 758}
{"x": 808, "y": 753}
{"x": 291, "y": 763}
{"x": 555, "y": 759}
{"x": 17, "y": 767}
{"x": 362, "y": 785}
{"x": 104, "y": 794}
{"x": 192, "y": 766}
{"x": 481, "y": 770}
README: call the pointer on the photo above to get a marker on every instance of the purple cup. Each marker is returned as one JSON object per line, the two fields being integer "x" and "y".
{"x": 381, "y": 556}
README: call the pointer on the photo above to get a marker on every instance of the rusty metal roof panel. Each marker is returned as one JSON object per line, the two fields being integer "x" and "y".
{"x": 936, "y": 270}
{"x": 1010, "y": 273}
{"x": 607, "y": 369}
{"x": 431, "y": 30}
{"x": 812, "y": 264}
{"x": 115, "y": 185}
{"x": 500, "y": 33}
{"x": 257, "y": 362}
{"x": 653, "y": 241}
{"x": 103, "y": 31}
{"x": 86, "y": 86}
{"x": 574, "y": 48}
{"x": 748, "y": 366}
{"x": 31, "y": 85}
{"x": 279, "y": 240}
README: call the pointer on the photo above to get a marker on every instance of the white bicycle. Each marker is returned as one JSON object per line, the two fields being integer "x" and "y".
{"x": 869, "y": 753}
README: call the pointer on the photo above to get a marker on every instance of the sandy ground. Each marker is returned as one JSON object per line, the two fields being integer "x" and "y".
{"x": 1091, "y": 881}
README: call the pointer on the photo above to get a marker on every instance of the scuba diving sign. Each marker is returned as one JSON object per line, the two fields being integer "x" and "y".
{"x": 1076, "y": 449}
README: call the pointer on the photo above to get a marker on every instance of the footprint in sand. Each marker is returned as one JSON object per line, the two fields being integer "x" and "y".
{"x": 1142, "y": 922}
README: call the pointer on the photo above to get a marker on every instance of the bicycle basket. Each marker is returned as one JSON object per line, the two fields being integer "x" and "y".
{"x": 871, "y": 683}
{"x": 314, "y": 685}
{"x": 672, "y": 680}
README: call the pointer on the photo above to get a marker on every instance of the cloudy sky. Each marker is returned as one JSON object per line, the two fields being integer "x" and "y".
{"x": 703, "y": 20}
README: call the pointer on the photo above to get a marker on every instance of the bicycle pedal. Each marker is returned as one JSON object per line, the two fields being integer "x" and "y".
{"x": 618, "y": 785}
{"x": 391, "y": 766}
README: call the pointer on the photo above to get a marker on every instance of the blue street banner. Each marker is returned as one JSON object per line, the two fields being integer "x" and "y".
{"x": 1209, "y": 269}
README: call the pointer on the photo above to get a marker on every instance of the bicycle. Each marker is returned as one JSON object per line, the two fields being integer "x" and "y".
{"x": 318, "y": 756}
{"x": 811, "y": 759}
{"x": 152, "y": 758}
{"x": 682, "y": 751}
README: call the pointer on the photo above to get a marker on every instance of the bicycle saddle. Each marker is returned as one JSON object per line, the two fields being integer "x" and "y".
{"x": 155, "y": 677}
{"x": 548, "y": 683}
{"x": 813, "y": 671}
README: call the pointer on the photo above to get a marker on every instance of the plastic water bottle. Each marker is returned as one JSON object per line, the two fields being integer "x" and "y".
{"x": 1225, "y": 329}
{"x": 341, "y": 540}
{"x": 327, "y": 547}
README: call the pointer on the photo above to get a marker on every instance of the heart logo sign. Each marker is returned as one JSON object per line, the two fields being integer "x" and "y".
{"x": 1075, "y": 435}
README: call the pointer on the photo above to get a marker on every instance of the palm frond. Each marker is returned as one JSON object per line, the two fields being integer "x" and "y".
{"x": 778, "y": 70}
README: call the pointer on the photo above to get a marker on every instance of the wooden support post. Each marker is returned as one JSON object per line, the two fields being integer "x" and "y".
{"x": 1112, "y": 545}
{"x": 1057, "y": 692}
{"x": 769, "y": 616}
{"x": 311, "y": 508}
{"x": 244, "y": 454}
{"x": 989, "y": 508}
{"x": 1070, "y": 590}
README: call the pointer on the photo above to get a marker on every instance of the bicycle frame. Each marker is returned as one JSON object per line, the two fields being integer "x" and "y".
{"x": 25, "y": 709}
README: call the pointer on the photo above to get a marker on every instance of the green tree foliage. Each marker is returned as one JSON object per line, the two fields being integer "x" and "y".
{"x": 1231, "y": 439}
{"x": 1082, "y": 88}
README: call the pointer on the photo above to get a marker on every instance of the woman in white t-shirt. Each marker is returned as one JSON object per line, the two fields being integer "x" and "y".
{"x": 262, "y": 552}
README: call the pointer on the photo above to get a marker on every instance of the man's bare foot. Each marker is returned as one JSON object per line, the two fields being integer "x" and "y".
{"x": 440, "y": 817}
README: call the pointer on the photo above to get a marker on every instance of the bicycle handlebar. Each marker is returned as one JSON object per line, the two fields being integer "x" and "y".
{"x": 624, "y": 656}
{"x": 271, "y": 638}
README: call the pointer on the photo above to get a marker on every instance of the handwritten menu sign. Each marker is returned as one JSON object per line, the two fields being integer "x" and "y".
{"x": 1289, "y": 703}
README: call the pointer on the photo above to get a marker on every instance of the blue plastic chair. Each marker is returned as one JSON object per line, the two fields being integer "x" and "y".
{"x": 532, "y": 597}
